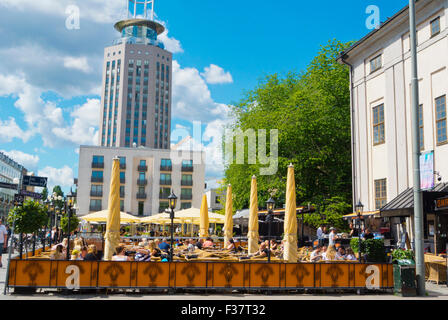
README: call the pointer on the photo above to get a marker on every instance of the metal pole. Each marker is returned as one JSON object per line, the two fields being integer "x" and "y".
{"x": 269, "y": 237}
{"x": 418, "y": 203}
{"x": 359, "y": 237}
{"x": 172, "y": 235}
{"x": 68, "y": 231}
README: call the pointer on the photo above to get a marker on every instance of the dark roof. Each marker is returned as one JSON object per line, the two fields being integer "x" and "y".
{"x": 405, "y": 200}
{"x": 370, "y": 34}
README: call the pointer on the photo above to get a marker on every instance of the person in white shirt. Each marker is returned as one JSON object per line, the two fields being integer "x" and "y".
{"x": 332, "y": 237}
{"x": 120, "y": 256}
{"x": 316, "y": 255}
{"x": 320, "y": 232}
{"x": 3, "y": 240}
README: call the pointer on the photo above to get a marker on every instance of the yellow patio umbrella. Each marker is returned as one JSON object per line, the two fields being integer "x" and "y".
{"x": 203, "y": 227}
{"x": 252, "y": 234}
{"x": 112, "y": 236}
{"x": 290, "y": 225}
{"x": 101, "y": 216}
{"x": 228, "y": 225}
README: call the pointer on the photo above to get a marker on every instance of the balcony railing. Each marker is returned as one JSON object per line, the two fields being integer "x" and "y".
{"x": 166, "y": 168}
{"x": 165, "y": 182}
{"x": 98, "y": 165}
{"x": 186, "y": 183}
{"x": 186, "y": 197}
{"x": 141, "y": 196}
{"x": 142, "y": 168}
{"x": 96, "y": 193}
{"x": 142, "y": 182}
{"x": 187, "y": 169}
{"x": 96, "y": 179}
{"x": 164, "y": 196}
{"x": 95, "y": 208}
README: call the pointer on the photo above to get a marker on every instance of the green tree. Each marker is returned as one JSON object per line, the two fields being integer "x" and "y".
{"x": 44, "y": 194}
{"x": 58, "y": 192}
{"x": 311, "y": 110}
{"x": 74, "y": 222}
{"x": 29, "y": 218}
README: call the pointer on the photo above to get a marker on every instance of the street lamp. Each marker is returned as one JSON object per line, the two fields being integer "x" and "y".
{"x": 359, "y": 208}
{"x": 270, "y": 204}
{"x": 172, "y": 204}
{"x": 70, "y": 203}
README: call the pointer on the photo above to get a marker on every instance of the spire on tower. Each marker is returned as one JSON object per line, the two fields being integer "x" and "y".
{"x": 141, "y": 9}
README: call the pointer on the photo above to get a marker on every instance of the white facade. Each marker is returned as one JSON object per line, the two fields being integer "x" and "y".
{"x": 389, "y": 86}
{"x": 213, "y": 197}
{"x": 181, "y": 178}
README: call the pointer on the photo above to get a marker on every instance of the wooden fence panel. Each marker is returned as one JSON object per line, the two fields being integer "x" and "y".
{"x": 334, "y": 275}
{"x": 227, "y": 275}
{"x": 152, "y": 274}
{"x": 300, "y": 275}
{"x": 30, "y": 273}
{"x": 190, "y": 274}
{"x": 112, "y": 274}
{"x": 264, "y": 275}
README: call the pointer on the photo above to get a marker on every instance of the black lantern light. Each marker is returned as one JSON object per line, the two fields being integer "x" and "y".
{"x": 359, "y": 209}
{"x": 270, "y": 205}
{"x": 172, "y": 199}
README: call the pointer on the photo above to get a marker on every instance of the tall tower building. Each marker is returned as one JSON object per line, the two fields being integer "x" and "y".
{"x": 136, "y": 95}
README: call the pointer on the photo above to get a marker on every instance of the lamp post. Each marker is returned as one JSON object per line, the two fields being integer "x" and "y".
{"x": 270, "y": 204}
{"x": 172, "y": 203}
{"x": 70, "y": 203}
{"x": 359, "y": 208}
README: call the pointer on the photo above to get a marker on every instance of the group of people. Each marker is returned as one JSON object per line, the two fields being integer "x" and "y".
{"x": 324, "y": 253}
{"x": 81, "y": 251}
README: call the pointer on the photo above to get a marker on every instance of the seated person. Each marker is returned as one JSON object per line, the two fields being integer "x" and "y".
{"x": 274, "y": 245}
{"x": 120, "y": 255}
{"x": 330, "y": 254}
{"x": 156, "y": 252}
{"x": 340, "y": 255}
{"x": 58, "y": 254}
{"x": 350, "y": 256}
{"x": 75, "y": 255}
{"x": 191, "y": 246}
{"x": 231, "y": 245}
{"x": 142, "y": 254}
{"x": 262, "y": 251}
{"x": 316, "y": 255}
{"x": 92, "y": 253}
{"x": 164, "y": 246}
{"x": 199, "y": 244}
{"x": 367, "y": 234}
{"x": 208, "y": 243}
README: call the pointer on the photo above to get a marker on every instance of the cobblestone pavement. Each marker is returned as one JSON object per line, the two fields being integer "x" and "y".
{"x": 434, "y": 291}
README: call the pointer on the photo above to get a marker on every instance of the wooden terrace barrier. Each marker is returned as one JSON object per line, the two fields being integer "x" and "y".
{"x": 197, "y": 275}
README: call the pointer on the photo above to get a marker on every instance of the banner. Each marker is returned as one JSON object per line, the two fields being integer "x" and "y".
{"x": 427, "y": 170}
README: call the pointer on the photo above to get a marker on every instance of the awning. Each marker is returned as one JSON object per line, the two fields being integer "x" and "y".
{"x": 367, "y": 214}
{"x": 403, "y": 204}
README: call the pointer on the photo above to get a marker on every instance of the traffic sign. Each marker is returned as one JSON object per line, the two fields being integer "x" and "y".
{"x": 31, "y": 194}
{"x": 34, "y": 181}
{"x": 6, "y": 185}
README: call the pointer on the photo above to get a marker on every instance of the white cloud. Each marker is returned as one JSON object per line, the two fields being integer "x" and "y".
{"x": 192, "y": 98}
{"x": 29, "y": 161}
{"x": 216, "y": 75}
{"x": 80, "y": 63}
{"x": 84, "y": 129}
{"x": 10, "y": 130}
{"x": 57, "y": 177}
{"x": 171, "y": 44}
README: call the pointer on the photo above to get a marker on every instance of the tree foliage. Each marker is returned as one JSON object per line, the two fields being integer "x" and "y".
{"x": 311, "y": 111}
{"x": 74, "y": 222}
{"x": 29, "y": 218}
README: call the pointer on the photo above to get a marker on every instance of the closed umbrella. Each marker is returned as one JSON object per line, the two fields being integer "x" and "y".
{"x": 228, "y": 225}
{"x": 252, "y": 235}
{"x": 203, "y": 227}
{"x": 290, "y": 225}
{"x": 112, "y": 236}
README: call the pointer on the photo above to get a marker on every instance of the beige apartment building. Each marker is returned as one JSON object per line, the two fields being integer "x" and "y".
{"x": 147, "y": 177}
{"x": 380, "y": 66}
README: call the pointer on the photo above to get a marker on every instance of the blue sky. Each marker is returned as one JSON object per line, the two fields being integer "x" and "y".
{"x": 220, "y": 49}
